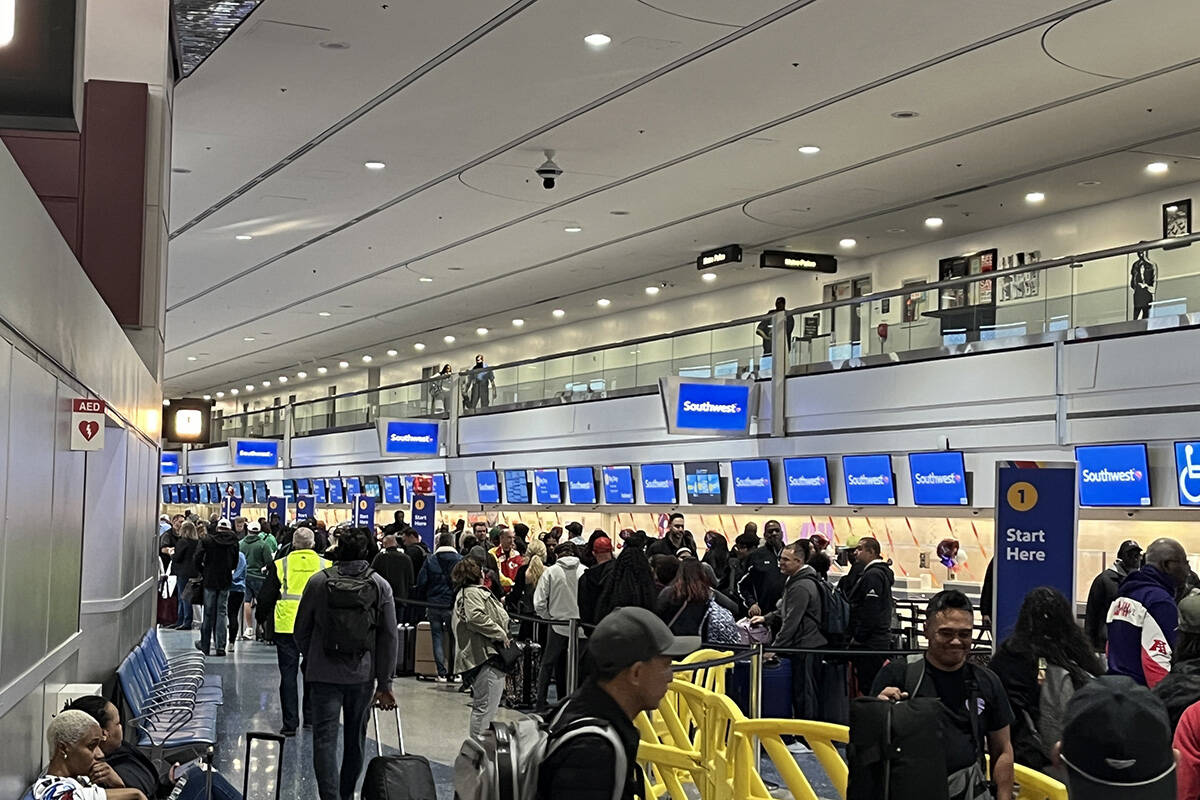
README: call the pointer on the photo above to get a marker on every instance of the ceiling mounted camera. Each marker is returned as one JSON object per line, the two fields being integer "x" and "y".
{"x": 549, "y": 171}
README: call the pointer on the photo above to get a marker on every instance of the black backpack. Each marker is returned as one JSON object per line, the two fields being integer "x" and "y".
{"x": 353, "y": 603}
{"x": 834, "y": 619}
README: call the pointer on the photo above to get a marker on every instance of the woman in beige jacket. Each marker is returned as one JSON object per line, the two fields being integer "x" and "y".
{"x": 480, "y": 625}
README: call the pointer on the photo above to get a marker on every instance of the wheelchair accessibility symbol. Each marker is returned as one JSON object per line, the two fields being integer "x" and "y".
{"x": 1189, "y": 475}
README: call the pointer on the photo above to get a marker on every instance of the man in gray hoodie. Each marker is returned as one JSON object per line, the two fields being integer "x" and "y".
{"x": 557, "y": 598}
{"x": 346, "y": 679}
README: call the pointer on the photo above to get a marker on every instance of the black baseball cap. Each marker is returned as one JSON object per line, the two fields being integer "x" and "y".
{"x": 632, "y": 634}
{"x": 1128, "y": 548}
{"x": 1116, "y": 742}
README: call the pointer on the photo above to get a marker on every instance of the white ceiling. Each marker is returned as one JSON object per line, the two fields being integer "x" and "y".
{"x": 690, "y": 126}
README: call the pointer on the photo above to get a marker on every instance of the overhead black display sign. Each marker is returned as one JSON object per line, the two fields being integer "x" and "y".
{"x": 806, "y": 262}
{"x": 730, "y": 253}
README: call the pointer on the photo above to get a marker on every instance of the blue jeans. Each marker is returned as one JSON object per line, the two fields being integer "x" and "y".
{"x": 195, "y": 786}
{"x": 183, "y": 611}
{"x": 216, "y": 602}
{"x": 353, "y": 702}
{"x": 439, "y": 628}
{"x": 288, "y": 654}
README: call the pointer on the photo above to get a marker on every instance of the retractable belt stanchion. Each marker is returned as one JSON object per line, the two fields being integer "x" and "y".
{"x": 573, "y": 656}
{"x": 756, "y": 678}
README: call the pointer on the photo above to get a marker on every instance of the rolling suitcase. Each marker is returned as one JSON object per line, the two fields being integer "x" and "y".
{"x": 776, "y": 688}
{"x": 520, "y": 686}
{"x": 406, "y": 655}
{"x": 424, "y": 664}
{"x": 181, "y": 787}
{"x": 400, "y": 777}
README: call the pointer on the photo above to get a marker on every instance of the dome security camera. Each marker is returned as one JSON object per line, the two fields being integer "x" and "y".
{"x": 549, "y": 171}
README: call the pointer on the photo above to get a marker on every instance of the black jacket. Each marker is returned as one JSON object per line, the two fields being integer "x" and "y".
{"x": 585, "y": 767}
{"x": 397, "y": 569}
{"x": 666, "y": 547}
{"x": 183, "y": 562}
{"x": 871, "y": 606}
{"x": 1100, "y": 598}
{"x": 591, "y": 586}
{"x": 687, "y": 619}
{"x": 763, "y": 582}
{"x": 417, "y": 553}
{"x": 1180, "y": 689}
{"x": 217, "y": 558}
{"x": 137, "y": 771}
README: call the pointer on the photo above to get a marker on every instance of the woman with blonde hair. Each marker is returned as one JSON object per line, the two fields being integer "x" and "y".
{"x": 520, "y": 599}
{"x": 480, "y": 628}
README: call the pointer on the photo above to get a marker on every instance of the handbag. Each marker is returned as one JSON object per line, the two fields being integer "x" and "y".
{"x": 507, "y": 657}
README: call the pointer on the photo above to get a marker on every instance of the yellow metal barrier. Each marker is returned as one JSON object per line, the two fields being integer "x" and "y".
{"x": 1034, "y": 785}
{"x": 821, "y": 737}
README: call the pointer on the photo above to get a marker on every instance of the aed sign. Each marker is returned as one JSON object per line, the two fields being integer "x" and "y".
{"x": 729, "y": 254}
{"x": 407, "y": 438}
{"x": 804, "y": 262}
{"x": 1036, "y": 535}
{"x": 254, "y": 452}
{"x": 87, "y": 424}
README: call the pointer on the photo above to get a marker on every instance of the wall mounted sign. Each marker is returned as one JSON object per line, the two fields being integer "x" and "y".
{"x": 87, "y": 426}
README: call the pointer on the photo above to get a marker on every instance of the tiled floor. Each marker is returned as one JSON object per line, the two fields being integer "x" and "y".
{"x": 434, "y": 717}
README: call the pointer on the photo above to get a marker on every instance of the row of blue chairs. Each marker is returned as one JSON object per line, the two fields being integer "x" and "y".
{"x": 173, "y": 702}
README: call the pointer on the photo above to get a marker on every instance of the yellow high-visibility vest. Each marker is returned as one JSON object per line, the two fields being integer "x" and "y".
{"x": 294, "y": 570}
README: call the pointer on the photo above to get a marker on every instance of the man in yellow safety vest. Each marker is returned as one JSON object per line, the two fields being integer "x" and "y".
{"x": 285, "y": 584}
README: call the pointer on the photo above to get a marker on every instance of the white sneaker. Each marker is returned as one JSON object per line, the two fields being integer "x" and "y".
{"x": 441, "y": 679}
{"x": 798, "y": 748}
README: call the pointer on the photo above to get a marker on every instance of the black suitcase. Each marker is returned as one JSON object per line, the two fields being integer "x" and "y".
{"x": 896, "y": 750}
{"x": 246, "y": 765}
{"x": 520, "y": 687}
{"x": 406, "y": 655}
{"x": 400, "y": 777}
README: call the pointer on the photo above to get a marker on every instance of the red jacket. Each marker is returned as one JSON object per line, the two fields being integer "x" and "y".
{"x": 1187, "y": 742}
{"x": 508, "y": 566}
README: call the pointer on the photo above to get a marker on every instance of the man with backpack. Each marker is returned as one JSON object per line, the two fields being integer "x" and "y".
{"x": 974, "y": 712}
{"x": 797, "y": 624}
{"x": 346, "y": 629}
{"x": 592, "y": 748}
{"x": 871, "y": 609}
{"x": 433, "y": 584}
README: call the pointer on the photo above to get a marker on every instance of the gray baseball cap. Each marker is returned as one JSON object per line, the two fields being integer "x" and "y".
{"x": 629, "y": 635}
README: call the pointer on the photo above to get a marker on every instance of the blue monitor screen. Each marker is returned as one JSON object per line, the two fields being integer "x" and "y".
{"x": 260, "y": 491}
{"x": 703, "y": 481}
{"x": 302, "y": 487}
{"x": 372, "y": 488}
{"x": 1113, "y": 475}
{"x": 440, "y": 489}
{"x": 581, "y": 486}
{"x": 335, "y": 490}
{"x": 547, "y": 488}
{"x": 204, "y": 493}
{"x": 724, "y": 407}
{"x": 516, "y": 485}
{"x": 938, "y": 479}
{"x": 392, "y": 494}
{"x": 658, "y": 484}
{"x": 168, "y": 464}
{"x": 353, "y": 487}
{"x": 869, "y": 480}
{"x": 248, "y": 491}
{"x": 487, "y": 484}
{"x": 618, "y": 484}
{"x": 318, "y": 489}
{"x": 166, "y": 494}
{"x": 752, "y": 482}
{"x": 289, "y": 489}
{"x": 214, "y": 493}
{"x": 807, "y": 481}
{"x": 1187, "y": 467}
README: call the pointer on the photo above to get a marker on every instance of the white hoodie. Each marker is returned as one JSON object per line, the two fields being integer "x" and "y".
{"x": 557, "y": 593}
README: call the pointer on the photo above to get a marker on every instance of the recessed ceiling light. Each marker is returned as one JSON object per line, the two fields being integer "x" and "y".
{"x": 333, "y": 45}
{"x": 1088, "y": 183}
{"x": 847, "y": 243}
{"x": 604, "y": 302}
{"x": 809, "y": 149}
{"x": 343, "y": 364}
{"x": 425, "y": 279}
{"x": 419, "y": 346}
{"x": 905, "y": 114}
{"x": 233, "y": 391}
{"x": 481, "y": 331}
{"x": 366, "y": 359}
{"x": 375, "y": 165}
{"x": 1035, "y": 197}
{"x": 166, "y": 401}
{"x": 558, "y": 313}
{"x": 266, "y": 384}
{"x": 933, "y": 222}
{"x": 301, "y": 374}
{"x": 191, "y": 358}
{"x": 322, "y": 370}
{"x": 518, "y": 322}
{"x": 895, "y": 230}
{"x": 709, "y": 277}
{"x": 652, "y": 290}
{"x": 222, "y": 394}
{"x": 1157, "y": 167}
{"x": 249, "y": 387}
{"x": 324, "y": 314}
{"x": 181, "y": 170}
{"x": 283, "y": 378}
{"x": 393, "y": 353}
{"x": 572, "y": 229}
{"x": 243, "y": 237}
{"x": 247, "y": 338}
{"x": 448, "y": 339}
{"x": 598, "y": 39}
{"x": 619, "y": 213}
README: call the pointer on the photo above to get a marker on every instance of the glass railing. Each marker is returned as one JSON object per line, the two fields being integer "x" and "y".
{"x": 1081, "y": 296}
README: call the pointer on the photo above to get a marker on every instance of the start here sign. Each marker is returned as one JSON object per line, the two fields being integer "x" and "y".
{"x": 1036, "y": 533}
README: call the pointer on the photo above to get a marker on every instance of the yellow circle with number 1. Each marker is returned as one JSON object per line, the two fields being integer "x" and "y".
{"x": 1022, "y": 496}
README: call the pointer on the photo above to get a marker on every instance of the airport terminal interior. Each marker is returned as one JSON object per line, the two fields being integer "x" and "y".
{"x": 488, "y": 294}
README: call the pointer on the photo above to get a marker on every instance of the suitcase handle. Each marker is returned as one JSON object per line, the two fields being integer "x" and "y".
{"x": 399, "y": 729}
